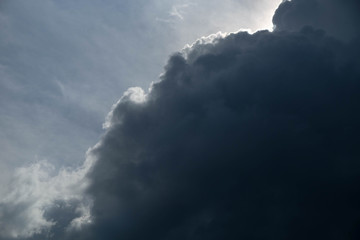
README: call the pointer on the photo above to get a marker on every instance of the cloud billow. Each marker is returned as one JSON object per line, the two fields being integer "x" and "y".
{"x": 247, "y": 136}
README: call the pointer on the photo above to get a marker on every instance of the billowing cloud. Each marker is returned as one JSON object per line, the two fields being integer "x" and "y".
{"x": 244, "y": 137}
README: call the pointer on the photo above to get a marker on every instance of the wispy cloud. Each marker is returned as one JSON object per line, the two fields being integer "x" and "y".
{"x": 179, "y": 10}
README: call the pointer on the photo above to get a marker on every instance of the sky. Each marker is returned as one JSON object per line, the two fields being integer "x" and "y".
{"x": 64, "y": 63}
{"x": 179, "y": 119}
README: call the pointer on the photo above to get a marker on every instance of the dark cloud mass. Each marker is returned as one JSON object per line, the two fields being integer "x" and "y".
{"x": 247, "y": 137}
{"x": 338, "y": 18}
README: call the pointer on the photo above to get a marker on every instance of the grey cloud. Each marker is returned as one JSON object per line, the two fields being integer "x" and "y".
{"x": 251, "y": 136}
{"x": 244, "y": 136}
{"x": 338, "y": 18}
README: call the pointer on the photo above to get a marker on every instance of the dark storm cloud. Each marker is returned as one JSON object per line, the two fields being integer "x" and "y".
{"x": 338, "y": 18}
{"x": 248, "y": 137}
{"x": 244, "y": 137}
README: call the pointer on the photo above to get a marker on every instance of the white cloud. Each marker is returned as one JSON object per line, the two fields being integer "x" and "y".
{"x": 179, "y": 10}
{"x": 134, "y": 94}
{"x": 35, "y": 191}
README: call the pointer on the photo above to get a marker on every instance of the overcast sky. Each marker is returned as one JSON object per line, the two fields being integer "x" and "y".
{"x": 116, "y": 122}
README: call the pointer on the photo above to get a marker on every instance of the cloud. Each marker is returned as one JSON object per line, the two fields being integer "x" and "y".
{"x": 44, "y": 203}
{"x": 338, "y": 18}
{"x": 245, "y": 136}
{"x": 250, "y": 136}
{"x": 177, "y": 11}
